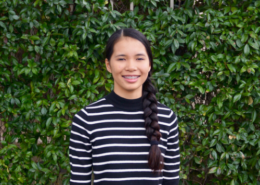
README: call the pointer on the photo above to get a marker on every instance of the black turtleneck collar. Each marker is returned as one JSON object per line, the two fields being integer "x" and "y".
{"x": 123, "y": 103}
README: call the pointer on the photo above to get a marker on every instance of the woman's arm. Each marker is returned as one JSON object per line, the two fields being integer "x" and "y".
{"x": 172, "y": 155}
{"x": 80, "y": 151}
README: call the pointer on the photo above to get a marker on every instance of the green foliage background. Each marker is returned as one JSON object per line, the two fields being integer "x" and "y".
{"x": 207, "y": 69}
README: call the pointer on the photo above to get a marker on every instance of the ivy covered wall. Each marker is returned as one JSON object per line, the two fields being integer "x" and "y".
{"x": 207, "y": 70}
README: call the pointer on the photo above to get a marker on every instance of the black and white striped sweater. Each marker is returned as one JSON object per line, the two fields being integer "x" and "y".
{"x": 109, "y": 137}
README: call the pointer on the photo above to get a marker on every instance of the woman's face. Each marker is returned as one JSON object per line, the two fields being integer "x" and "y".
{"x": 129, "y": 65}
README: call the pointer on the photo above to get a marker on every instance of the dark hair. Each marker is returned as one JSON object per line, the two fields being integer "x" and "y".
{"x": 155, "y": 159}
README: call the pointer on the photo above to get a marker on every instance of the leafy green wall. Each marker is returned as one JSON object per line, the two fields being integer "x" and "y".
{"x": 206, "y": 69}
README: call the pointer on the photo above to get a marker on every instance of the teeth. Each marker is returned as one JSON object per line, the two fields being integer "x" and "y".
{"x": 130, "y": 77}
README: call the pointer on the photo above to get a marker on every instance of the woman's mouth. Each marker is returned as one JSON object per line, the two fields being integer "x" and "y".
{"x": 130, "y": 78}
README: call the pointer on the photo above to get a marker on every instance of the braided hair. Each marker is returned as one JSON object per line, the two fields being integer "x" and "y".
{"x": 155, "y": 159}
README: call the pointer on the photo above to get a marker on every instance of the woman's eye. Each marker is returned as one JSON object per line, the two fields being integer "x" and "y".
{"x": 140, "y": 59}
{"x": 121, "y": 59}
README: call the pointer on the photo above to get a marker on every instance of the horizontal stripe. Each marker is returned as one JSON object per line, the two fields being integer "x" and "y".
{"x": 171, "y": 171}
{"x": 163, "y": 131}
{"x": 80, "y": 181}
{"x": 122, "y": 137}
{"x": 76, "y": 133}
{"x": 170, "y": 178}
{"x": 80, "y": 150}
{"x": 119, "y": 137}
{"x": 132, "y": 170}
{"x": 119, "y": 144}
{"x": 173, "y": 150}
{"x": 162, "y": 146}
{"x": 175, "y": 128}
{"x": 76, "y": 157}
{"x": 119, "y": 162}
{"x": 109, "y": 120}
{"x": 112, "y": 112}
{"x": 77, "y": 173}
{"x": 126, "y": 179}
{"x": 122, "y": 170}
{"x": 161, "y": 108}
{"x": 168, "y": 124}
{"x": 123, "y": 112}
{"x": 173, "y": 143}
{"x": 102, "y": 99}
{"x": 170, "y": 157}
{"x": 113, "y": 128}
{"x": 172, "y": 163}
{"x": 80, "y": 165}
{"x": 120, "y": 153}
{"x": 173, "y": 136}
{"x": 100, "y": 106}
{"x": 76, "y": 141}
{"x": 165, "y": 116}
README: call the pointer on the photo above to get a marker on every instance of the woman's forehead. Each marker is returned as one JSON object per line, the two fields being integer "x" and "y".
{"x": 129, "y": 46}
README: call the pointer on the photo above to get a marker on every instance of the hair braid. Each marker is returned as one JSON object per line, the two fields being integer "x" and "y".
{"x": 155, "y": 159}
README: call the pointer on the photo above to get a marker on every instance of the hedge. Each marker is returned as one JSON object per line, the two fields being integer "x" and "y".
{"x": 207, "y": 70}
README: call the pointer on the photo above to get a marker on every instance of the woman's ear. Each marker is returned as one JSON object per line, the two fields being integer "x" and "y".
{"x": 108, "y": 65}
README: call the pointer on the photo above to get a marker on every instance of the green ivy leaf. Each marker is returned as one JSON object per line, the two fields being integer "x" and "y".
{"x": 246, "y": 49}
{"x": 213, "y": 170}
{"x": 34, "y": 37}
{"x": 48, "y": 122}
{"x": 237, "y": 97}
{"x": 213, "y": 142}
{"x": 254, "y": 114}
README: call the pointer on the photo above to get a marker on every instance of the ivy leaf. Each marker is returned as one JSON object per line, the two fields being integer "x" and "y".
{"x": 244, "y": 38}
{"x": 34, "y": 165}
{"x": 246, "y": 49}
{"x": 213, "y": 170}
{"x": 213, "y": 142}
{"x": 34, "y": 37}
{"x": 253, "y": 45}
{"x": 214, "y": 58}
{"x": 243, "y": 69}
{"x": 171, "y": 67}
{"x": 43, "y": 110}
{"x": 237, "y": 97}
{"x": 15, "y": 17}
{"x": 231, "y": 68}
{"x": 254, "y": 114}
{"x": 226, "y": 9}
{"x": 3, "y": 25}
{"x": 48, "y": 122}
{"x": 176, "y": 43}
{"x": 257, "y": 3}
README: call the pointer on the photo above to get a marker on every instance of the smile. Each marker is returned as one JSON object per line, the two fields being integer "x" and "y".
{"x": 131, "y": 77}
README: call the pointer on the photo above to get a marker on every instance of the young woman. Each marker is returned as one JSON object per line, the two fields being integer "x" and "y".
{"x": 127, "y": 137}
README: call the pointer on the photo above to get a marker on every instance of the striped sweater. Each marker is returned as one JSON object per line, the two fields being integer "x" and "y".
{"x": 108, "y": 137}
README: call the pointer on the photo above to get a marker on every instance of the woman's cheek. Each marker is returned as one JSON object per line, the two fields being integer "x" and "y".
{"x": 119, "y": 67}
{"x": 144, "y": 68}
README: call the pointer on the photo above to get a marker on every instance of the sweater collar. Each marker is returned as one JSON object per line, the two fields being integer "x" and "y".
{"x": 123, "y": 103}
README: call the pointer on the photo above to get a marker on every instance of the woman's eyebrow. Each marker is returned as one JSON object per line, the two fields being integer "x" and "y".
{"x": 139, "y": 54}
{"x": 120, "y": 55}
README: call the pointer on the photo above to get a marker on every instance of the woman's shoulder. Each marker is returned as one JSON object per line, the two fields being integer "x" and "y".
{"x": 94, "y": 106}
{"x": 99, "y": 104}
{"x": 163, "y": 108}
{"x": 165, "y": 112}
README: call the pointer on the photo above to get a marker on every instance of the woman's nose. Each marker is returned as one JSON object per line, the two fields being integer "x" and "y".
{"x": 130, "y": 65}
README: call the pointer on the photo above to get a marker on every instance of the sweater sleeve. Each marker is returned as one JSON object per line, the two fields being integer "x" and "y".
{"x": 172, "y": 154}
{"x": 80, "y": 151}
